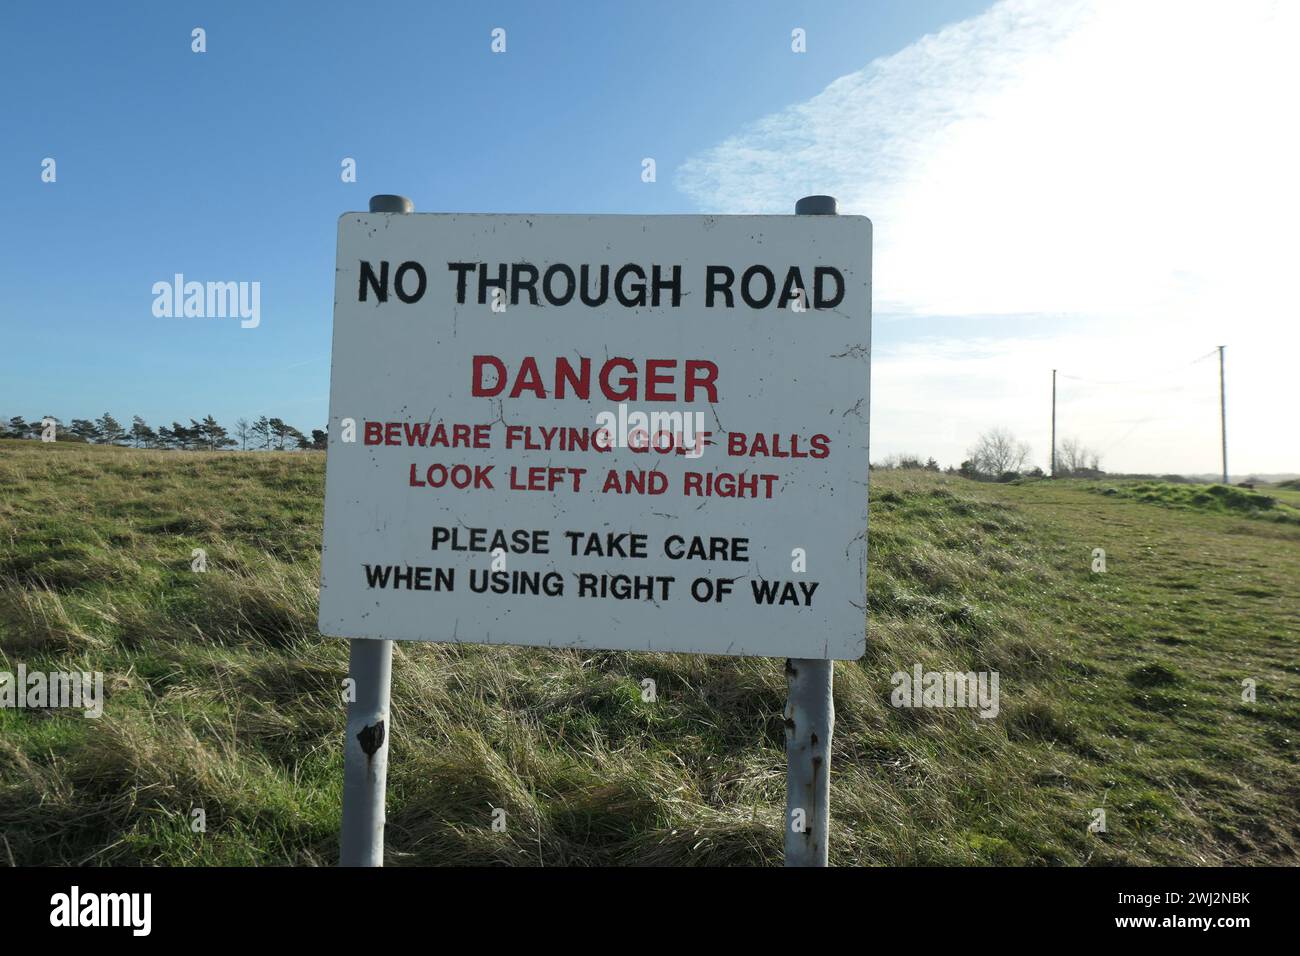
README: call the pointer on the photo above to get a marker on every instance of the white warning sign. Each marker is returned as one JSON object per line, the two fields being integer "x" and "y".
{"x": 617, "y": 432}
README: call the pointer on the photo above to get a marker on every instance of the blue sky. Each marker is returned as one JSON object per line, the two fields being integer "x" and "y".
{"x": 225, "y": 166}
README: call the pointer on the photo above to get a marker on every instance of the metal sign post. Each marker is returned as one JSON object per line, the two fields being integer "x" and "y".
{"x": 365, "y": 754}
{"x": 809, "y": 719}
{"x": 365, "y": 742}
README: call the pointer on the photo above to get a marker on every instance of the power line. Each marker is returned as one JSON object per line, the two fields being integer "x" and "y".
{"x": 1109, "y": 444}
{"x": 1138, "y": 381}
{"x": 1135, "y": 425}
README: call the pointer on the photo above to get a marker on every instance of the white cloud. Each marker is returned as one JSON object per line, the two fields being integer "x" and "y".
{"x": 933, "y": 396}
{"x": 1135, "y": 163}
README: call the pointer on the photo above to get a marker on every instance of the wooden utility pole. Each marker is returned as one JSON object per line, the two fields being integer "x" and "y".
{"x": 1053, "y": 423}
{"x": 1223, "y": 417}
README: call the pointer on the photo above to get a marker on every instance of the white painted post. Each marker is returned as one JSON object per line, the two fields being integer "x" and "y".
{"x": 809, "y": 719}
{"x": 365, "y": 754}
{"x": 369, "y": 728}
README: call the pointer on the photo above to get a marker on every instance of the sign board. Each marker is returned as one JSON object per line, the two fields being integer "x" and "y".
{"x": 619, "y": 432}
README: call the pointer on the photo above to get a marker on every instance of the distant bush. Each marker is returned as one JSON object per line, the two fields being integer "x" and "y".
{"x": 906, "y": 462}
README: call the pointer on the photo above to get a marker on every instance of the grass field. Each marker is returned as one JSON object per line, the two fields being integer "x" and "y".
{"x": 1120, "y": 690}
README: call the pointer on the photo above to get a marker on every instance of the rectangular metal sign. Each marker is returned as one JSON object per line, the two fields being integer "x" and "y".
{"x": 618, "y": 432}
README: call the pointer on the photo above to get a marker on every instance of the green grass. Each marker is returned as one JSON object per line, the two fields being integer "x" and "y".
{"x": 1280, "y": 505}
{"x": 1119, "y": 690}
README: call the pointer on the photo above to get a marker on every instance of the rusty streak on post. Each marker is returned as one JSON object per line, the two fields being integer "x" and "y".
{"x": 809, "y": 720}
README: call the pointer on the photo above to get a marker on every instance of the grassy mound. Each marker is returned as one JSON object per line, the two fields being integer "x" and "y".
{"x": 1120, "y": 691}
{"x": 1216, "y": 499}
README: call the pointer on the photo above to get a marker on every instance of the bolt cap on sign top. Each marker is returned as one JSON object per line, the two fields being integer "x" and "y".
{"x": 816, "y": 206}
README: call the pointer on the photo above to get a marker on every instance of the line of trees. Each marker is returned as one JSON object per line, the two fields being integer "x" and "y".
{"x": 907, "y": 461}
{"x": 999, "y": 456}
{"x": 264, "y": 433}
